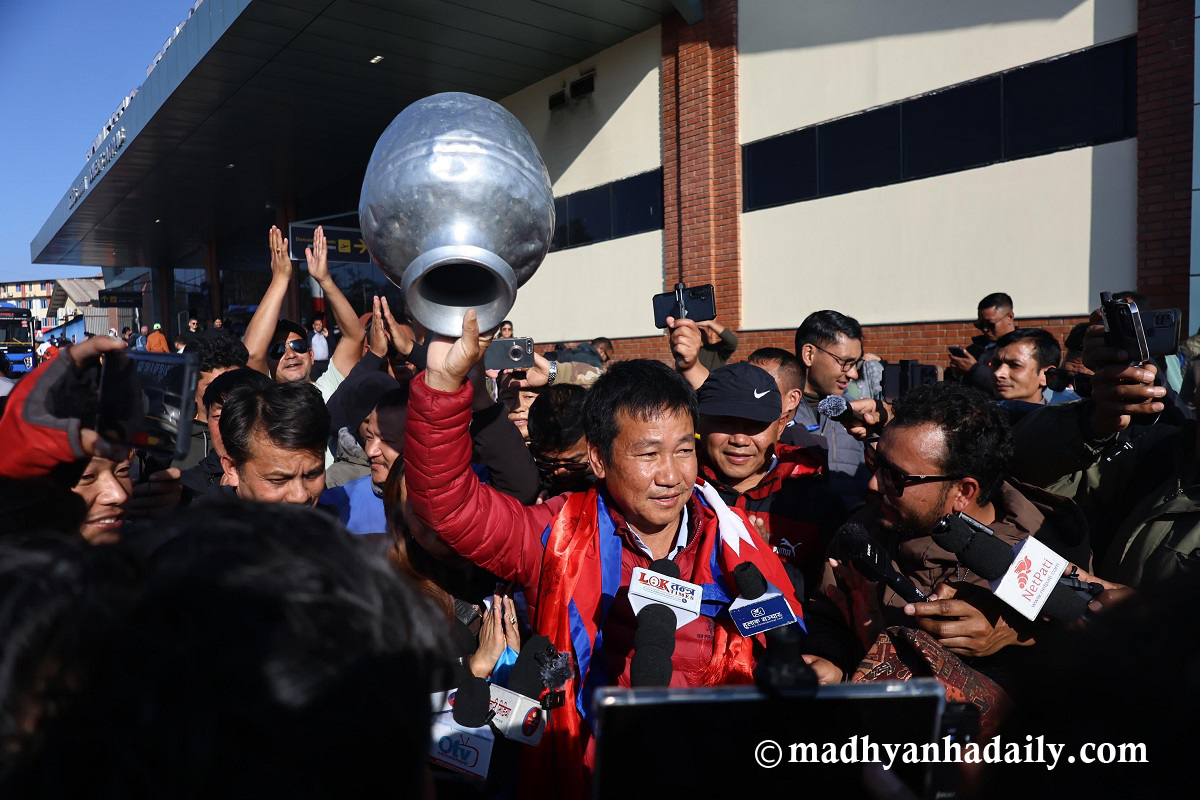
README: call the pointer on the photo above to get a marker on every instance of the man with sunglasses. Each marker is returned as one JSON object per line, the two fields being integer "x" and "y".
{"x": 280, "y": 348}
{"x": 830, "y": 349}
{"x": 946, "y": 449}
{"x": 994, "y": 319}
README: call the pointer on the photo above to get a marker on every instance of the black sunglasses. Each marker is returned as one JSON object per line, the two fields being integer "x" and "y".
{"x": 891, "y": 479}
{"x": 549, "y": 465}
{"x": 277, "y": 350}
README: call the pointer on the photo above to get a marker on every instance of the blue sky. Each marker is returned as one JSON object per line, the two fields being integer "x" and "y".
{"x": 65, "y": 65}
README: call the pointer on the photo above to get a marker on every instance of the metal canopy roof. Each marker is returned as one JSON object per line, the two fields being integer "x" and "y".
{"x": 283, "y": 91}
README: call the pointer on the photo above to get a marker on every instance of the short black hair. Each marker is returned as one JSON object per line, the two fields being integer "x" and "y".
{"x": 1046, "y": 349}
{"x": 268, "y": 653}
{"x": 1074, "y": 343}
{"x": 126, "y": 329}
{"x": 603, "y": 341}
{"x": 995, "y": 300}
{"x": 978, "y": 437}
{"x": 641, "y": 388}
{"x": 226, "y": 382}
{"x": 292, "y": 415}
{"x": 822, "y": 328}
{"x": 789, "y": 366}
{"x": 556, "y": 418}
{"x": 216, "y": 352}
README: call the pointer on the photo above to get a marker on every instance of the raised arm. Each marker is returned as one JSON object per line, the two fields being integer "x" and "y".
{"x": 262, "y": 325}
{"x": 349, "y": 348}
{"x": 488, "y": 528}
{"x": 686, "y": 341}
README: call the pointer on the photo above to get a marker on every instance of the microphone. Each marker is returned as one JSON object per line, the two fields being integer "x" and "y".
{"x": 1027, "y": 577}
{"x": 661, "y": 584}
{"x": 874, "y": 561}
{"x": 760, "y": 606}
{"x": 833, "y": 406}
{"x": 780, "y": 665}
{"x": 657, "y": 621}
{"x": 472, "y": 703}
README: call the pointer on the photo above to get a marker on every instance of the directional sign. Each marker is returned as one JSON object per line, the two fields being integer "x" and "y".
{"x": 109, "y": 299}
{"x": 344, "y": 244}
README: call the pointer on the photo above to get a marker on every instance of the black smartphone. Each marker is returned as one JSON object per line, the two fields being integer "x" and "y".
{"x": 957, "y": 352}
{"x": 148, "y": 400}
{"x": 697, "y": 303}
{"x": 1161, "y": 329}
{"x": 1123, "y": 327}
{"x": 514, "y": 353}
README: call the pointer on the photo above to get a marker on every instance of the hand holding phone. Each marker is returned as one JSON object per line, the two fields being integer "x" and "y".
{"x": 697, "y": 303}
{"x": 147, "y": 401}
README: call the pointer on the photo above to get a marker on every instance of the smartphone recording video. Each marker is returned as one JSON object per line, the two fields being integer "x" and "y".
{"x": 147, "y": 401}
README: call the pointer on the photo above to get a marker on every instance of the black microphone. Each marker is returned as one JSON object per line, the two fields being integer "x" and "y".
{"x": 538, "y": 668}
{"x": 472, "y": 703}
{"x": 874, "y": 561}
{"x": 981, "y": 551}
{"x": 781, "y": 665}
{"x": 654, "y": 639}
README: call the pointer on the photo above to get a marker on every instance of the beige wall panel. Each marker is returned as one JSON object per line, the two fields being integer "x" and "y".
{"x": 599, "y": 289}
{"x": 610, "y": 134}
{"x": 807, "y": 61}
{"x": 1052, "y": 231}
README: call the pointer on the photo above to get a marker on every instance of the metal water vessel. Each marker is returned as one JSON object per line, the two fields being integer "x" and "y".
{"x": 457, "y": 209}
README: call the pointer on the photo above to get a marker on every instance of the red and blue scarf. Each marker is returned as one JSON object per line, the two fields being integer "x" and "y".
{"x": 581, "y": 575}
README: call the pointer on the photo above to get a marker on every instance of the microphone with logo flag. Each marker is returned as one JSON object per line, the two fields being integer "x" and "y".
{"x": 874, "y": 561}
{"x": 762, "y": 608}
{"x": 534, "y": 688}
{"x": 655, "y": 594}
{"x": 1028, "y": 577}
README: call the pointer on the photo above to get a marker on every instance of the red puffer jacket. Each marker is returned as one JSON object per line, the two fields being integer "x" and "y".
{"x": 504, "y": 537}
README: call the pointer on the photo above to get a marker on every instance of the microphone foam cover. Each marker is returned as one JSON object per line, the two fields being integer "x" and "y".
{"x": 526, "y": 675}
{"x": 472, "y": 702}
{"x": 833, "y": 406}
{"x": 656, "y": 624}
{"x": 953, "y": 534}
{"x": 986, "y": 556}
{"x": 665, "y": 566}
{"x": 650, "y": 666}
{"x": 749, "y": 580}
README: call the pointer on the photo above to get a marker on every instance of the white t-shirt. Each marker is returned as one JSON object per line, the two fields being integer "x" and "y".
{"x": 328, "y": 383}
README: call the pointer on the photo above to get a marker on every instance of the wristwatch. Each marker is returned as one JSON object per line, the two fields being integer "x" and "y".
{"x": 553, "y": 372}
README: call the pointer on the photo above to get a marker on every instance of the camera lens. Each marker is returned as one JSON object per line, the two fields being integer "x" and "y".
{"x": 515, "y": 352}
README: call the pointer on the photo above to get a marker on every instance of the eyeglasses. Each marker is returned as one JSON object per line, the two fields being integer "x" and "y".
{"x": 846, "y": 364}
{"x": 984, "y": 325}
{"x": 550, "y": 464}
{"x": 277, "y": 350}
{"x": 892, "y": 480}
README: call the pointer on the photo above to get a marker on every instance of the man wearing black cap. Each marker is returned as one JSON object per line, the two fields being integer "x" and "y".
{"x": 740, "y": 455}
{"x": 280, "y": 347}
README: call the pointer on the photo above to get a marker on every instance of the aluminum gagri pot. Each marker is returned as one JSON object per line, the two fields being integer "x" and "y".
{"x": 456, "y": 209}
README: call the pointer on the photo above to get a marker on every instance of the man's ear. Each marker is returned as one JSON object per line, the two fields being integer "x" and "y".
{"x": 231, "y": 473}
{"x": 595, "y": 458}
{"x": 968, "y": 494}
{"x": 807, "y": 354}
{"x": 1042, "y": 377}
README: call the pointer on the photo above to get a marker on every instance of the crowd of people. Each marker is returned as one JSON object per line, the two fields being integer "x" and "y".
{"x": 368, "y": 516}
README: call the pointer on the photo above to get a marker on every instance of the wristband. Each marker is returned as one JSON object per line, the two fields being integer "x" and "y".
{"x": 553, "y": 372}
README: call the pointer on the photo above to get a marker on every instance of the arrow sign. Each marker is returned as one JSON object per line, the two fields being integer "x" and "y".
{"x": 112, "y": 299}
{"x": 345, "y": 245}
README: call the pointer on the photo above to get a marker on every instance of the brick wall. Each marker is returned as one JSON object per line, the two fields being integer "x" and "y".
{"x": 1165, "y": 51}
{"x": 702, "y": 172}
{"x": 925, "y": 341}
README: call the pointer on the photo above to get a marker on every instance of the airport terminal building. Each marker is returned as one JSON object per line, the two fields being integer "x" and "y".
{"x": 896, "y": 161}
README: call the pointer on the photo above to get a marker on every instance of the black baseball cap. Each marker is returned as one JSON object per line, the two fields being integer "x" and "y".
{"x": 286, "y": 326}
{"x": 741, "y": 390}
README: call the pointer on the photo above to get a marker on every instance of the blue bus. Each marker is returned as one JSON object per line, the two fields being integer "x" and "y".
{"x": 16, "y": 338}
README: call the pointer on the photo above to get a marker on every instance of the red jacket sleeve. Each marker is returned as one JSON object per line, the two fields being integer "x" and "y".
{"x": 32, "y": 440}
{"x": 486, "y": 527}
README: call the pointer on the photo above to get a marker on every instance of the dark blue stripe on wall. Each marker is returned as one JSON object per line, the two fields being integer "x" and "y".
{"x": 611, "y": 211}
{"x": 1076, "y": 100}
